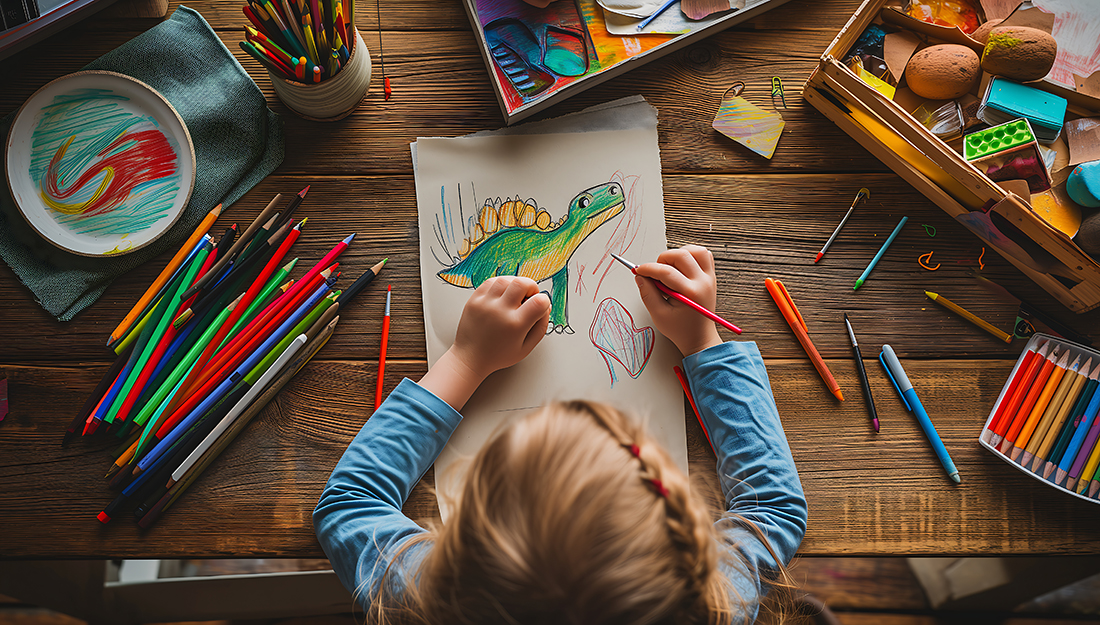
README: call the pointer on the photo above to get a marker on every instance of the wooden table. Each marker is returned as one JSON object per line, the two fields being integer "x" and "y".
{"x": 868, "y": 493}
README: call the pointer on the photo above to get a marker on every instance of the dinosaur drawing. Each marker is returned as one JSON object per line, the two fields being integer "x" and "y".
{"x": 517, "y": 239}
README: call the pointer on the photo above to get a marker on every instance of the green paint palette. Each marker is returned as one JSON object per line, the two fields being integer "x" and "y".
{"x": 997, "y": 139}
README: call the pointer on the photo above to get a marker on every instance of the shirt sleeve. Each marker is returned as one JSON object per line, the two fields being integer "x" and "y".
{"x": 358, "y": 519}
{"x": 759, "y": 480}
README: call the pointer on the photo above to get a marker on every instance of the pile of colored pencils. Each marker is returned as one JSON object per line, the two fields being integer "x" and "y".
{"x": 302, "y": 40}
{"x": 214, "y": 338}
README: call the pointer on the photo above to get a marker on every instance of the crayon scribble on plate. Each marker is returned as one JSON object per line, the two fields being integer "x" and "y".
{"x": 101, "y": 169}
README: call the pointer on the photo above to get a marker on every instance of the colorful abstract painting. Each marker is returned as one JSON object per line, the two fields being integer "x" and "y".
{"x": 100, "y": 168}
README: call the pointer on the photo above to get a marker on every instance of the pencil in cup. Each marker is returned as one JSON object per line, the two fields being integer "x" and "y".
{"x": 337, "y": 93}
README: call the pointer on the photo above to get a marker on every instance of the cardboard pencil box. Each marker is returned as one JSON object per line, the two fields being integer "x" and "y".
{"x": 1003, "y": 220}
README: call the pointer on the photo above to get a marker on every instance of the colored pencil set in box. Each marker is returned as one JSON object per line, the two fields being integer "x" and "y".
{"x": 301, "y": 40}
{"x": 1045, "y": 420}
{"x": 211, "y": 342}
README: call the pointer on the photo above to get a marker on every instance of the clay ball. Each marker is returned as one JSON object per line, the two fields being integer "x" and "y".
{"x": 942, "y": 72}
{"x": 1019, "y": 53}
{"x": 981, "y": 35}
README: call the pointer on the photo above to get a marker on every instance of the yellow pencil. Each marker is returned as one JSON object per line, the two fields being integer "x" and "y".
{"x": 165, "y": 275}
{"x": 969, "y": 316}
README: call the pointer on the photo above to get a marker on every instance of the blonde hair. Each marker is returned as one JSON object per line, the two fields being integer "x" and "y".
{"x": 570, "y": 515}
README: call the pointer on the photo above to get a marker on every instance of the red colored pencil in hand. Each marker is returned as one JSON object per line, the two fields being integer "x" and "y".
{"x": 681, "y": 298}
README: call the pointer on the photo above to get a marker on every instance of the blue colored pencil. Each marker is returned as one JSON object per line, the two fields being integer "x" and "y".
{"x": 882, "y": 250}
{"x": 220, "y": 391}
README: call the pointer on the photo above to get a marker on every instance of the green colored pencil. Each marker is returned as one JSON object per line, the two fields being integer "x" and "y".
{"x": 155, "y": 329}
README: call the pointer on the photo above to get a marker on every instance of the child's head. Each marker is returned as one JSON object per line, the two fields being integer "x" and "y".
{"x": 574, "y": 515}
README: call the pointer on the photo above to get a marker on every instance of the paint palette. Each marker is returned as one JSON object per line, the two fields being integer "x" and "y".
{"x": 99, "y": 163}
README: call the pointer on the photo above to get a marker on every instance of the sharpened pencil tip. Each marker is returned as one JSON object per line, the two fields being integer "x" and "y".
{"x": 818, "y": 257}
{"x": 302, "y": 193}
{"x": 859, "y": 283}
{"x": 838, "y": 394}
{"x": 350, "y": 238}
{"x": 875, "y": 421}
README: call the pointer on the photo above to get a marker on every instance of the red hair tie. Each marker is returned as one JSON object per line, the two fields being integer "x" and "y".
{"x": 661, "y": 490}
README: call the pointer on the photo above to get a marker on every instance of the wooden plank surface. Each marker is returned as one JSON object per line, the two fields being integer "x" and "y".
{"x": 868, "y": 494}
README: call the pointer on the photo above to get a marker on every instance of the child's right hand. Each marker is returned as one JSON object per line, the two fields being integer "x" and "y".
{"x": 690, "y": 272}
{"x": 502, "y": 322}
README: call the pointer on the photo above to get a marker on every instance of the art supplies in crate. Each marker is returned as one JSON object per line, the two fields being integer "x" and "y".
{"x": 539, "y": 56}
{"x": 939, "y": 71}
{"x": 1044, "y": 421}
{"x": 207, "y": 346}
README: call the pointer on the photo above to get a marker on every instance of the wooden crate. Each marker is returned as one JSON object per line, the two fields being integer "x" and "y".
{"x": 1043, "y": 253}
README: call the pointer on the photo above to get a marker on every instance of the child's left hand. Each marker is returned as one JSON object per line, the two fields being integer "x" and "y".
{"x": 502, "y": 322}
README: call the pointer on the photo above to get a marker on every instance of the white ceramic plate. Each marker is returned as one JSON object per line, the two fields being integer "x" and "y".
{"x": 99, "y": 163}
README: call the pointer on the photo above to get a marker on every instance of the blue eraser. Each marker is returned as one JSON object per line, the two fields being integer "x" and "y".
{"x": 1083, "y": 184}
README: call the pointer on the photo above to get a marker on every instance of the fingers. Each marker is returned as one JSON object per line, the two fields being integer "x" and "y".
{"x": 518, "y": 289}
{"x": 652, "y": 297}
{"x": 534, "y": 308}
{"x": 538, "y": 327}
{"x": 687, "y": 260}
{"x": 671, "y": 276}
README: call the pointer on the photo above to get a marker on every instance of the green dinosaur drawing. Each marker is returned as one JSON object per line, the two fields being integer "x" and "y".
{"x": 517, "y": 239}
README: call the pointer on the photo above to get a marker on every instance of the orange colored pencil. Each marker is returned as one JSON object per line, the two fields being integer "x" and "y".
{"x": 382, "y": 350}
{"x": 1054, "y": 382}
{"x": 165, "y": 275}
{"x": 1029, "y": 401}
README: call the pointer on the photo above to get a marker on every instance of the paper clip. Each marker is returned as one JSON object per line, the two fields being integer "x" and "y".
{"x": 929, "y": 230}
{"x": 927, "y": 258}
{"x": 980, "y": 264}
{"x": 777, "y": 90}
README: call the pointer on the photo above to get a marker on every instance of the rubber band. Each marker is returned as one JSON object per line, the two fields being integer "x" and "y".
{"x": 980, "y": 265}
{"x": 929, "y": 230}
{"x": 661, "y": 490}
{"x": 927, "y": 258}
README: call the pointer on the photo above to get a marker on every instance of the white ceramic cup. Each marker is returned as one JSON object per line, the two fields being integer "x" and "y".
{"x": 333, "y": 98}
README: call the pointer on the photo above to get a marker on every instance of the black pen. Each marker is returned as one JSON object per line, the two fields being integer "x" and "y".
{"x": 862, "y": 373}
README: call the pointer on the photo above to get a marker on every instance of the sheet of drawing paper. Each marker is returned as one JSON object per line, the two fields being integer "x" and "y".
{"x": 1077, "y": 30}
{"x": 613, "y": 353}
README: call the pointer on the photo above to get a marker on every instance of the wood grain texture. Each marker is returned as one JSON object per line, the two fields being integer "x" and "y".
{"x": 757, "y": 227}
{"x": 868, "y": 494}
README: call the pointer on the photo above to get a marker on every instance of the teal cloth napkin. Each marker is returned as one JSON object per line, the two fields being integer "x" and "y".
{"x": 238, "y": 142}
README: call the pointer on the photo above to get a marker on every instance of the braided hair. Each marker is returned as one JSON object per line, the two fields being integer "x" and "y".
{"x": 571, "y": 515}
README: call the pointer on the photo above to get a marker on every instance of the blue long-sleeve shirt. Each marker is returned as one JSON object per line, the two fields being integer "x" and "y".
{"x": 360, "y": 526}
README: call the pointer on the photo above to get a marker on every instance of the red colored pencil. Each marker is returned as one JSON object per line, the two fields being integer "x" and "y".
{"x": 223, "y": 367}
{"x": 1029, "y": 401}
{"x": 382, "y": 350}
{"x": 271, "y": 56}
{"x": 1017, "y": 388}
{"x": 691, "y": 400}
{"x": 681, "y": 298}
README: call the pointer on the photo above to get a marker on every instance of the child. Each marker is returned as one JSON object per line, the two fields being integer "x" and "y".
{"x": 572, "y": 514}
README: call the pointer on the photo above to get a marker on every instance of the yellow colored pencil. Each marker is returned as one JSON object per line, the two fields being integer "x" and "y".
{"x": 969, "y": 316}
{"x": 165, "y": 275}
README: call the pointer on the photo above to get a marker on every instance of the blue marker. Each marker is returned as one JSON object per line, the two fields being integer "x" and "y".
{"x": 882, "y": 250}
{"x": 904, "y": 387}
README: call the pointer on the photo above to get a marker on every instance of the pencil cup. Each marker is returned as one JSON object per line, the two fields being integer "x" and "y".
{"x": 334, "y": 98}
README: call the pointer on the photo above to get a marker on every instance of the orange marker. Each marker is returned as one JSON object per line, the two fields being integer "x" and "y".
{"x": 798, "y": 325}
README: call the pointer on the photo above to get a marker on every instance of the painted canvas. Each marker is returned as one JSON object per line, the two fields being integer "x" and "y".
{"x": 551, "y": 207}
